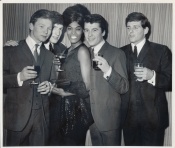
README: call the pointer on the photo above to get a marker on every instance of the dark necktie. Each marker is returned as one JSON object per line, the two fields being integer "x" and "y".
{"x": 135, "y": 51}
{"x": 36, "y": 52}
{"x": 92, "y": 52}
{"x": 51, "y": 48}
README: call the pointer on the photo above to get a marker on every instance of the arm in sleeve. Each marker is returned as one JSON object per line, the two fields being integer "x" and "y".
{"x": 118, "y": 78}
{"x": 164, "y": 73}
{"x": 9, "y": 79}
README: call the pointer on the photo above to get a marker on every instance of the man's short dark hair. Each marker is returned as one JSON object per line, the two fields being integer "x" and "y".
{"x": 96, "y": 18}
{"x": 42, "y": 13}
{"x": 137, "y": 16}
{"x": 57, "y": 18}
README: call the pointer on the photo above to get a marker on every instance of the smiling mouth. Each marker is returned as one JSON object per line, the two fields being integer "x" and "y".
{"x": 90, "y": 39}
{"x": 73, "y": 37}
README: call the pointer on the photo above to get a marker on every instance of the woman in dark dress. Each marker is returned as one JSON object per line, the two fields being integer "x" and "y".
{"x": 75, "y": 110}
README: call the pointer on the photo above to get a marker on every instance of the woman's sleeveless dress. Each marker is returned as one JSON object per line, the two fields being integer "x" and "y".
{"x": 75, "y": 110}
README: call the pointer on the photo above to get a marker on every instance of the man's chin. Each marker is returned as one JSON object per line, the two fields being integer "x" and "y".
{"x": 43, "y": 39}
{"x": 54, "y": 41}
{"x": 131, "y": 40}
{"x": 90, "y": 43}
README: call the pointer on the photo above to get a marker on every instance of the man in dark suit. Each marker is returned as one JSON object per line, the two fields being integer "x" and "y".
{"x": 53, "y": 44}
{"x": 56, "y": 47}
{"x": 146, "y": 117}
{"x": 107, "y": 83}
{"x": 26, "y": 108}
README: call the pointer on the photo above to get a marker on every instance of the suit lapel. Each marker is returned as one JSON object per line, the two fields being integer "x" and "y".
{"x": 129, "y": 52}
{"x": 103, "y": 48}
{"x": 26, "y": 52}
{"x": 144, "y": 51}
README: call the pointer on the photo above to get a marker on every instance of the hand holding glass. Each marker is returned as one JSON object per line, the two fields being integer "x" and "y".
{"x": 95, "y": 63}
{"x": 138, "y": 67}
{"x": 60, "y": 58}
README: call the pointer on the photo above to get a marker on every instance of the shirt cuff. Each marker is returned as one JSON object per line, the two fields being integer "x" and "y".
{"x": 20, "y": 83}
{"x": 108, "y": 73}
{"x": 153, "y": 79}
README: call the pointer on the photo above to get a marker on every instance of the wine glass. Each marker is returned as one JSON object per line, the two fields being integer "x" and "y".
{"x": 37, "y": 69}
{"x": 61, "y": 58}
{"x": 139, "y": 67}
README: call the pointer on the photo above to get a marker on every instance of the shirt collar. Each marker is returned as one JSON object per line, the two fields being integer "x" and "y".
{"x": 31, "y": 43}
{"x": 98, "y": 47}
{"x": 47, "y": 45}
{"x": 139, "y": 46}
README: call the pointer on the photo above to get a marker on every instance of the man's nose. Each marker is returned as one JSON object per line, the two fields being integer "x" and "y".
{"x": 58, "y": 32}
{"x": 46, "y": 31}
{"x": 89, "y": 33}
{"x": 131, "y": 30}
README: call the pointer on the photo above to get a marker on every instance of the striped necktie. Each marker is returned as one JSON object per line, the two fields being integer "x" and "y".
{"x": 36, "y": 52}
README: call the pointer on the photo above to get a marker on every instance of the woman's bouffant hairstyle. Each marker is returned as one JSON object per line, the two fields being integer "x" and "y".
{"x": 75, "y": 13}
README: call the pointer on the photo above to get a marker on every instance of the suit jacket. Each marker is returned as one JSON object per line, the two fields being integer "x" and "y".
{"x": 18, "y": 102}
{"x": 154, "y": 104}
{"x": 105, "y": 94}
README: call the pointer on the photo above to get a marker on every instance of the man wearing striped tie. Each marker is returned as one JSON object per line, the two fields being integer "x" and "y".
{"x": 26, "y": 106}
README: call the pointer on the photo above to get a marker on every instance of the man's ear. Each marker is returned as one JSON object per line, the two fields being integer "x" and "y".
{"x": 146, "y": 30}
{"x": 31, "y": 26}
{"x": 103, "y": 34}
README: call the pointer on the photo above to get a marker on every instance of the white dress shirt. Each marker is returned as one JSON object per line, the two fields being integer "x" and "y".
{"x": 31, "y": 43}
{"x": 47, "y": 45}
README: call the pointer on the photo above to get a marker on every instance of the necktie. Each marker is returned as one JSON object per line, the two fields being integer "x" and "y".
{"x": 36, "y": 52}
{"x": 92, "y": 52}
{"x": 51, "y": 48}
{"x": 135, "y": 51}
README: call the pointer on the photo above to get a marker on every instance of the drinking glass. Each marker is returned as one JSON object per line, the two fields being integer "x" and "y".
{"x": 95, "y": 63}
{"x": 139, "y": 67}
{"x": 62, "y": 58}
{"x": 37, "y": 69}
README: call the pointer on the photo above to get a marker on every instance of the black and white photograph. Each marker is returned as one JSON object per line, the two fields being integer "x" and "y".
{"x": 87, "y": 73}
